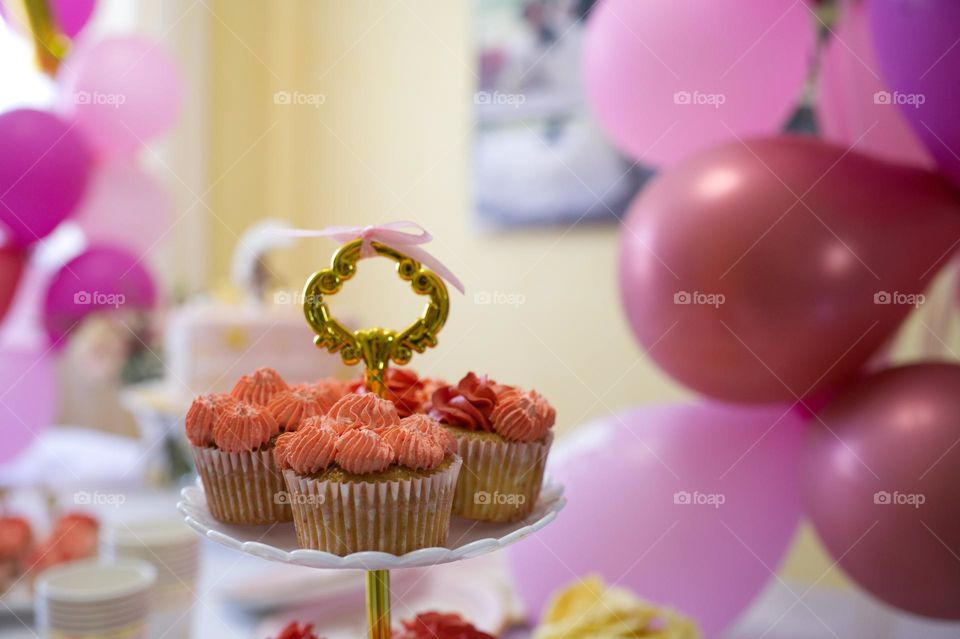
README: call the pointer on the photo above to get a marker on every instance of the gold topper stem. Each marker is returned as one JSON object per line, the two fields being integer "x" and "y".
{"x": 375, "y": 347}
{"x": 378, "y": 604}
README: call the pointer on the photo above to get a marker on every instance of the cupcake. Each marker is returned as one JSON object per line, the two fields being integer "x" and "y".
{"x": 74, "y": 536}
{"x": 503, "y": 435}
{"x": 294, "y": 630}
{"x": 232, "y": 438}
{"x": 16, "y": 541}
{"x": 361, "y": 478}
{"x": 436, "y": 625}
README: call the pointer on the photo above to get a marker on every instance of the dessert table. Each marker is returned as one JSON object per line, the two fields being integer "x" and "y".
{"x": 109, "y": 463}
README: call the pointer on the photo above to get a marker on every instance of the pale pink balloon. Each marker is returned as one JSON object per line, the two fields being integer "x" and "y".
{"x": 28, "y": 396}
{"x": 125, "y": 206}
{"x": 854, "y": 105}
{"x": 121, "y": 92}
{"x": 690, "y": 506}
{"x": 667, "y": 78}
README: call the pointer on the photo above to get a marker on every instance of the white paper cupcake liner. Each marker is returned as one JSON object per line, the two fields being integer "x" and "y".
{"x": 500, "y": 480}
{"x": 388, "y": 516}
{"x": 242, "y": 488}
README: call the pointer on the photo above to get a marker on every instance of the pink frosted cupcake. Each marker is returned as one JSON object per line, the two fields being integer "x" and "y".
{"x": 232, "y": 444}
{"x": 503, "y": 435}
{"x": 360, "y": 478}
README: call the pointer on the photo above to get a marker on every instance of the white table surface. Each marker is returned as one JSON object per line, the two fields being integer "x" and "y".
{"x": 823, "y": 613}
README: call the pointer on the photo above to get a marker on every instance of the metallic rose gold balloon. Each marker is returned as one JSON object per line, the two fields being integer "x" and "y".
{"x": 881, "y": 475}
{"x": 772, "y": 269}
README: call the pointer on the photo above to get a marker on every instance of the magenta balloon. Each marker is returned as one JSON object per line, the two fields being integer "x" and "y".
{"x": 126, "y": 207}
{"x": 122, "y": 92}
{"x": 743, "y": 292}
{"x": 43, "y": 173}
{"x": 688, "y": 505}
{"x": 880, "y": 481}
{"x": 916, "y": 46}
{"x": 28, "y": 397}
{"x": 70, "y": 16}
{"x": 102, "y": 278}
{"x": 665, "y": 80}
{"x": 854, "y": 106}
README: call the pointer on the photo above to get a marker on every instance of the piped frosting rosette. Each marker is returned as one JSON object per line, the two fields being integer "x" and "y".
{"x": 504, "y": 435}
{"x": 361, "y": 478}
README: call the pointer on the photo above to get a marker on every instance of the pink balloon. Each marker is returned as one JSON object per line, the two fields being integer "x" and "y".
{"x": 667, "y": 78}
{"x": 121, "y": 92}
{"x": 880, "y": 481}
{"x": 854, "y": 105}
{"x": 44, "y": 168}
{"x": 102, "y": 278}
{"x": 28, "y": 397}
{"x": 126, "y": 207}
{"x": 743, "y": 291}
{"x": 690, "y": 506}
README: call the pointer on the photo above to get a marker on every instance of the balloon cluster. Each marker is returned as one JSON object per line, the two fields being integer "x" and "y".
{"x": 76, "y": 161}
{"x": 768, "y": 271}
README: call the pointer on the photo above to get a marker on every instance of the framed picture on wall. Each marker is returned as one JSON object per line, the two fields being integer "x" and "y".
{"x": 539, "y": 158}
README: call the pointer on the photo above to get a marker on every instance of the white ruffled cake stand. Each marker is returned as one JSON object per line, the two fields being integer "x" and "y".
{"x": 278, "y": 542}
{"x": 467, "y": 539}
{"x": 376, "y": 348}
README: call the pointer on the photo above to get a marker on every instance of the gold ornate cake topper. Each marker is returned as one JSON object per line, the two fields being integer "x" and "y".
{"x": 376, "y": 347}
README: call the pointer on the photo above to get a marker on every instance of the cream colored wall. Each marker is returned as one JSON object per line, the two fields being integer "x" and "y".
{"x": 392, "y": 140}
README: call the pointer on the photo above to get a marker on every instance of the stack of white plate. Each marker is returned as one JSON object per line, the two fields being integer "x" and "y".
{"x": 174, "y": 550}
{"x": 95, "y": 599}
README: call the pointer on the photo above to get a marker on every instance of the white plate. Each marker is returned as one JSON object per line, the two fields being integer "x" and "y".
{"x": 467, "y": 538}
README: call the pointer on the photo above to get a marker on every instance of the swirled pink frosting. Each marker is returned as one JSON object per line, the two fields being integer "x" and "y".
{"x": 327, "y": 391}
{"x": 468, "y": 405}
{"x": 404, "y": 388}
{"x": 308, "y": 450}
{"x": 415, "y": 447}
{"x": 431, "y": 428}
{"x": 202, "y": 417}
{"x": 293, "y": 406}
{"x": 259, "y": 387}
{"x": 522, "y": 416}
{"x": 363, "y": 411}
{"x": 244, "y": 427}
{"x": 363, "y": 451}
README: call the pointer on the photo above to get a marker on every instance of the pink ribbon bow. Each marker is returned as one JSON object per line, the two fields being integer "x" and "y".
{"x": 404, "y": 236}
